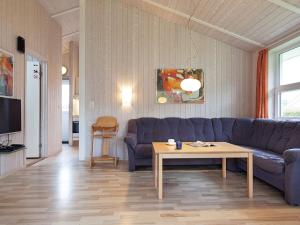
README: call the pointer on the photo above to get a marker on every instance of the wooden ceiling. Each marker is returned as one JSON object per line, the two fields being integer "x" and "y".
{"x": 247, "y": 24}
{"x": 66, "y": 13}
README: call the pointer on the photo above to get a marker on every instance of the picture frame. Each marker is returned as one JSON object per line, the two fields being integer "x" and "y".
{"x": 168, "y": 89}
{"x": 6, "y": 73}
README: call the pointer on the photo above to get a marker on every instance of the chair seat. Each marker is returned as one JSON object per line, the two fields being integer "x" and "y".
{"x": 267, "y": 160}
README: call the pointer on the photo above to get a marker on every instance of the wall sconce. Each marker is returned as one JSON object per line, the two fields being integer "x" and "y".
{"x": 126, "y": 96}
{"x": 64, "y": 70}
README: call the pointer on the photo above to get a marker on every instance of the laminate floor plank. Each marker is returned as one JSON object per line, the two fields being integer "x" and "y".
{"x": 63, "y": 191}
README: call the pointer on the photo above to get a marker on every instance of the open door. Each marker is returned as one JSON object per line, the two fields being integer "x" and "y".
{"x": 33, "y": 109}
{"x": 65, "y": 110}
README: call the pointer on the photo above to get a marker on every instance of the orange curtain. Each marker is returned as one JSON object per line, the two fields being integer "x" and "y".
{"x": 262, "y": 85}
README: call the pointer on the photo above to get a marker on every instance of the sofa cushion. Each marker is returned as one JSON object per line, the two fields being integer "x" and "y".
{"x": 143, "y": 151}
{"x": 242, "y": 131}
{"x": 203, "y": 129}
{"x": 281, "y": 136}
{"x": 145, "y": 128}
{"x": 181, "y": 129}
{"x": 262, "y": 130}
{"x": 294, "y": 141}
{"x": 131, "y": 126}
{"x": 267, "y": 160}
{"x": 164, "y": 129}
{"x": 223, "y": 128}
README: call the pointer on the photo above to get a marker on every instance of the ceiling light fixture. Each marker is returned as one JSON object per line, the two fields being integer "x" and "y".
{"x": 190, "y": 84}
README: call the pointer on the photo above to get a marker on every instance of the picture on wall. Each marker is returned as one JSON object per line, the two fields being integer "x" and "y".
{"x": 169, "y": 88}
{"x": 6, "y": 74}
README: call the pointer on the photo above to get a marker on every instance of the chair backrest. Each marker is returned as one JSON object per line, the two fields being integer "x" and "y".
{"x": 106, "y": 123}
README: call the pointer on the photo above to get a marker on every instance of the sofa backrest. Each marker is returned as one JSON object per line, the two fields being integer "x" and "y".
{"x": 276, "y": 136}
{"x": 283, "y": 135}
{"x": 294, "y": 140}
{"x": 154, "y": 129}
{"x": 223, "y": 128}
{"x": 241, "y": 132}
{"x": 131, "y": 126}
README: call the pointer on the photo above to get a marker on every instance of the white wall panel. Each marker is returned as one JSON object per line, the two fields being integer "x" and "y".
{"x": 43, "y": 38}
{"x": 125, "y": 46}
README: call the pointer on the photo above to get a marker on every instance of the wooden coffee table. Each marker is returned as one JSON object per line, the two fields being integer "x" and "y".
{"x": 222, "y": 150}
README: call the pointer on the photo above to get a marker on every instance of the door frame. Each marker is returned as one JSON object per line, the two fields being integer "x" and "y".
{"x": 43, "y": 101}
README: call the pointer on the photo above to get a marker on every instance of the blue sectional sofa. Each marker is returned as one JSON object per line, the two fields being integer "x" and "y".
{"x": 275, "y": 145}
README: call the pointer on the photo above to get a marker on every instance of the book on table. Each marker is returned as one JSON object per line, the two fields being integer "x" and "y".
{"x": 201, "y": 144}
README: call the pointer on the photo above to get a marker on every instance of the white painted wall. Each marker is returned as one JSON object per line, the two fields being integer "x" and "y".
{"x": 43, "y": 39}
{"x": 124, "y": 46}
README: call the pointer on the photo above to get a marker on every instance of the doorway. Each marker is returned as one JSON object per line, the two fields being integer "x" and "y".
{"x": 65, "y": 110}
{"x": 35, "y": 107}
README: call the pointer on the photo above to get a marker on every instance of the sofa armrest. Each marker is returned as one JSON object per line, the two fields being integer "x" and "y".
{"x": 291, "y": 156}
{"x": 292, "y": 178}
{"x": 131, "y": 140}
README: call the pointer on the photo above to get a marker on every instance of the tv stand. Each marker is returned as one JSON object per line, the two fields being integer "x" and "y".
{"x": 11, "y": 148}
{"x": 12, "y": 158}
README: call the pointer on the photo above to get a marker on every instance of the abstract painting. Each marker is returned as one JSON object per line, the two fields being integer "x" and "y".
{"x": 169, "y": 90}
{"x": 6, "y": 74}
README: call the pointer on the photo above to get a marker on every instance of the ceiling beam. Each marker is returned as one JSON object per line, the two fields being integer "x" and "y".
{"x": 64, "y": 12}
{"x": 202, "y": 22}
{"x": 286, "y": 5}
{"x": 70, "y": 34}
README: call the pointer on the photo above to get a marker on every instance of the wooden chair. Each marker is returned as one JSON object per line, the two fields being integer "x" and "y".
{"x": 106, "y": 127}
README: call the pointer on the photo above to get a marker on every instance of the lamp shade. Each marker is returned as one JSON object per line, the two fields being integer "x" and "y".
{"x": 190, "y": 84}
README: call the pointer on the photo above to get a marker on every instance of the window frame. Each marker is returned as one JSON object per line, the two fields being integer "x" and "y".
{"x": 279, "y": 89}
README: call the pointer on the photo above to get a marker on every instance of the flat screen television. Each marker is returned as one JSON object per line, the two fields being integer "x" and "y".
{"x": 10, "y": 115}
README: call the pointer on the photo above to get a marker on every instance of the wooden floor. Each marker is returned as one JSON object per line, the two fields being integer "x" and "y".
{"x": 30, "y": 162}
{"x": 61, "y": 190}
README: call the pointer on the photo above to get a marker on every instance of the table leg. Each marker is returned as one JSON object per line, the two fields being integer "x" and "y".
{"x": 224, "y": 168}
{"x": 153, "y": 161}
{"x": 154, "y": 167}
{"x": 116, "y": 151}
{"x": 160, "y": 176}
{"x": 250, "y": 175}
{"x": 91, "y": 153}
{"x": 156, "y": 170}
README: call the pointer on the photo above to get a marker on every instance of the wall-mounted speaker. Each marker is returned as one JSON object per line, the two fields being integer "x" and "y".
{"x": 21, "y": 44}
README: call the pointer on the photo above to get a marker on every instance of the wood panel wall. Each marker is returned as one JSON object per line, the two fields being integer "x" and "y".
{"x": 74, "y": 77}
{"x": 11, "y": 162}
{"x": 124, "y": 46}
{"x": 43, "y": 39}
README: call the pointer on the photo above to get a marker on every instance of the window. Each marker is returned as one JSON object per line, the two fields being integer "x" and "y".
{"x": 290, "y": 103}
{"x": 290, "y": 67}
{"x": 288, "y": 85}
